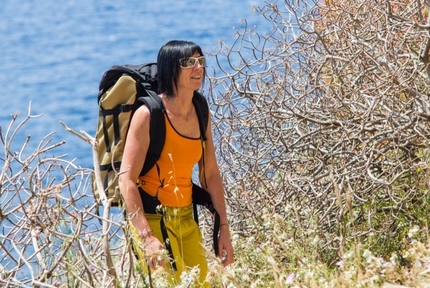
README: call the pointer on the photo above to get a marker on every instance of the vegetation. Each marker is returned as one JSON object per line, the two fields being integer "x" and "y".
{"x": 326, "y": 125}
{"x": 323, "y": 132}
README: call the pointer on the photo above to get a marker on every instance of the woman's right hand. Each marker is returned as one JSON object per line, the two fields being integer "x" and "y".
{"x": 155, "y": 254}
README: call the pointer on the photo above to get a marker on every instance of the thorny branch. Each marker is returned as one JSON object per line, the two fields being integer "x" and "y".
{"x": 336, "y": 87}
{"x": 49, "y": 233}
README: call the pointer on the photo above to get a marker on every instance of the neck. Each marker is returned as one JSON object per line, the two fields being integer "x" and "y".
{"x": 179, "y": 105}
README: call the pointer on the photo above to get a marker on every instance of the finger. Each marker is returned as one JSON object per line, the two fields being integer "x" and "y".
{"x": 220, "y": 251}
{"x": 155, "y": 262}
{"x": 222, "y": 254}
{"x": 150, "y": 263}
{"x": 229, "y": 259}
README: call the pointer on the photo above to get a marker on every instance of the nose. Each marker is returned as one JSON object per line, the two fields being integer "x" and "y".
{"x": 197, "y": 65}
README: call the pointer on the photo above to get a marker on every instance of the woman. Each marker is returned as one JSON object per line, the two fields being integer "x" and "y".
{"x": 181, "y": 71}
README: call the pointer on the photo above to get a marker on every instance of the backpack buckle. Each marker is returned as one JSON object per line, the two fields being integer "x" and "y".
{"x": 125, "y": 108}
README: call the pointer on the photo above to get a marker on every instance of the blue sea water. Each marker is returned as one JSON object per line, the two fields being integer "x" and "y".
{"x": 53, "y": 54}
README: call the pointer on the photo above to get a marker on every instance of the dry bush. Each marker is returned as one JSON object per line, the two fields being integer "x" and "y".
{"x": 51, "y": 233}
{"x": 326, "y": 117}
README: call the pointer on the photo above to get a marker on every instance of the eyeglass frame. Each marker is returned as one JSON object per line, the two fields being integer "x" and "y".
{"x": 196, "y": 60}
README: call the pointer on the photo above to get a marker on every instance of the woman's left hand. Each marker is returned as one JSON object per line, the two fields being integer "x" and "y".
{"x": 225, "y": 248}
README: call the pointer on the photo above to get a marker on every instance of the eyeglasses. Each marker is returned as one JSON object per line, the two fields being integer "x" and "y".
{"x": 190, "y": 62}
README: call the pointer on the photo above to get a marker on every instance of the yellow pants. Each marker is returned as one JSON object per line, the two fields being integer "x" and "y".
{"x": 185, "y": 240}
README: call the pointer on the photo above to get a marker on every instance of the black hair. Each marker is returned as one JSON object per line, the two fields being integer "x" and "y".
{"x": 168, "y": 68}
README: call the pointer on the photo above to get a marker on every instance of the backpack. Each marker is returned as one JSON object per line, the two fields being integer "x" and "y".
{"x": 119, "y": 91}
{"x": 122, "y": 90}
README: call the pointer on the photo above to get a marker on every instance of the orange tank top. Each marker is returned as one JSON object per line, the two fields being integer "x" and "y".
{"x": 176, "y": 163}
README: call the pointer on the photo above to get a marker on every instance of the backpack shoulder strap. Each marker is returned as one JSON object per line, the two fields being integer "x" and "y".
{"x": 200, "y": 195}
{"x": 202, "y": 110}
{"x": 157, "y": 130}
{"x": 157, "y": 127}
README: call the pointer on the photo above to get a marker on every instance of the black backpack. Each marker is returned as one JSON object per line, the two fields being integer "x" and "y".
{"x": 122, "y": 90}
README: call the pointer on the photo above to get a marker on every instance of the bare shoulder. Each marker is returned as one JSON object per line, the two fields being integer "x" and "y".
{"x": 141, "y": 117}
{"x": 142, "y": 110}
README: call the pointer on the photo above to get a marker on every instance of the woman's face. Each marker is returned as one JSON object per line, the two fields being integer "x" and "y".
{"x": 191, "y": 78}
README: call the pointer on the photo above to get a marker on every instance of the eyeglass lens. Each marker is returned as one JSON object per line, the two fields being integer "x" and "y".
{"x": 191, "y": 62}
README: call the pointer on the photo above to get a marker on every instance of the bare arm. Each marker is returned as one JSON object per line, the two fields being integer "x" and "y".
{"x": 135, "y": 150}
{"x": 214, "y": 186}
